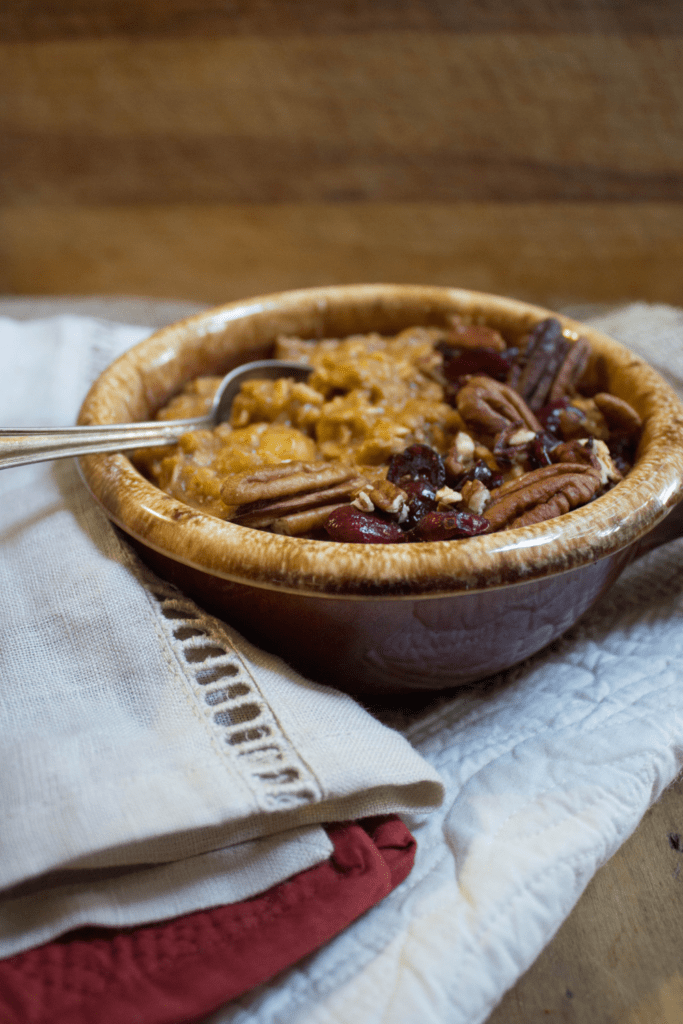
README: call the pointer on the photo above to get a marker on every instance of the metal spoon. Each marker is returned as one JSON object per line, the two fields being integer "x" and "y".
{"x": 19, "y": 445}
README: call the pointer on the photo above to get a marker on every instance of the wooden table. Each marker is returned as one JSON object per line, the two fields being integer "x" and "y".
{"x": 618, "y": 958}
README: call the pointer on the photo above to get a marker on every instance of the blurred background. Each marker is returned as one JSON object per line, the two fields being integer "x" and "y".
{"x": 205, "y": 150}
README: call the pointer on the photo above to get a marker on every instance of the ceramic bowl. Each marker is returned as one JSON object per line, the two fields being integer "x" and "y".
{"x": 382, "y": 618}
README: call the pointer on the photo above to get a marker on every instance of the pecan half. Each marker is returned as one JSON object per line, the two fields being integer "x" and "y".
{"x": 576, "y": 451}
{"x": 291, "y": 498}
{"x": 542, "y": 355}
{"x": 464, "y": 335}
{"x": 542, "y": 494}
{"x": 594, "y": 453}
{"x": 549, "y": 366}
{"x": 262, "y": 514}
{"x": 570, "y": 372}
{"x": 286, "y": 478}
{"x": 619, "y": 415}
{"x": 305, "y": 522}
{"x": 488, "y": 407}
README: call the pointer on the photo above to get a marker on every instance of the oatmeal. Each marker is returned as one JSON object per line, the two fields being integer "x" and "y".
{"x": 434, "y": 433}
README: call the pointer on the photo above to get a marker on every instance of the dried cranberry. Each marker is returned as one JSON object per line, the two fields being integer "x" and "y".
{"x": 482, "y": 472}
{"x": 348, "y": 523}
{"x": 450, "y": 525}
{"x": 446, "y": 350}
{"x": 450, "y": 392}
{"x": 540, "y": 449}
{"x": 549, "y": 416}
{"x": 622, "y": 448}
{"x": 507, "y": 450}
{"x": 464, "y": 335}
{"x": 417, "y": 462}
{"x": 421, "y": 500}
{"x": 476, "y": 360}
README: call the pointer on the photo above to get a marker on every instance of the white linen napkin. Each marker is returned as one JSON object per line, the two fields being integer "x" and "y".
{"x": 548, "y": 768}
{"x": 153, "y": 762}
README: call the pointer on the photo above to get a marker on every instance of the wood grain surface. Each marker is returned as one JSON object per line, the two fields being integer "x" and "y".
{"x": 205, "y": 150}
{"x": 617, "y": 958}
{"x": 52, "y": 19}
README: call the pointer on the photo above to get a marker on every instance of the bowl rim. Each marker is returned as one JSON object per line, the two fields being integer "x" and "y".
{"x": 404, "y": 571}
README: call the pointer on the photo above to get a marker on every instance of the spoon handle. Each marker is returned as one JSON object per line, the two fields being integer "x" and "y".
{"x": 21, "y": 445}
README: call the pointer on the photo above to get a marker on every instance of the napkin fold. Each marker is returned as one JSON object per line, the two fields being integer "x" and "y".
{"x": 153, "y": 762}
{"x": 180, "y": 969}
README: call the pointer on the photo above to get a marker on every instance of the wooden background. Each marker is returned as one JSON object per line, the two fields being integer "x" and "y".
{"x": 210, "y": 149}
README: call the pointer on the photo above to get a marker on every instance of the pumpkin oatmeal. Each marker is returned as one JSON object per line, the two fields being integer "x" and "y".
{"x": 434, "y": 433}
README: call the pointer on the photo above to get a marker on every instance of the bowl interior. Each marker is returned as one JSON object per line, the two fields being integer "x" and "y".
{"x": 145, "y": 377}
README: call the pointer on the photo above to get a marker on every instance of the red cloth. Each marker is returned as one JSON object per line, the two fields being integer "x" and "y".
{"x": 180, "y": 970}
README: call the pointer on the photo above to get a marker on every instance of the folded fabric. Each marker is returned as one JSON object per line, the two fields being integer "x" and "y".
{"x": 153, "y": 762}
{"x": 177, "y": 971}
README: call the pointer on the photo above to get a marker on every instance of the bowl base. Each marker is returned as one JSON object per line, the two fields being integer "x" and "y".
{"x": 380, "y": 646}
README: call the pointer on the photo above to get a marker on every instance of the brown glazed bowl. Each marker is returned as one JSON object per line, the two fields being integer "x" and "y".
{"x": 382, "y": 618}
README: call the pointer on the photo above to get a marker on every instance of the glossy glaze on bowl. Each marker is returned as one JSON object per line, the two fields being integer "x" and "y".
{"x": 265, "y": 583}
